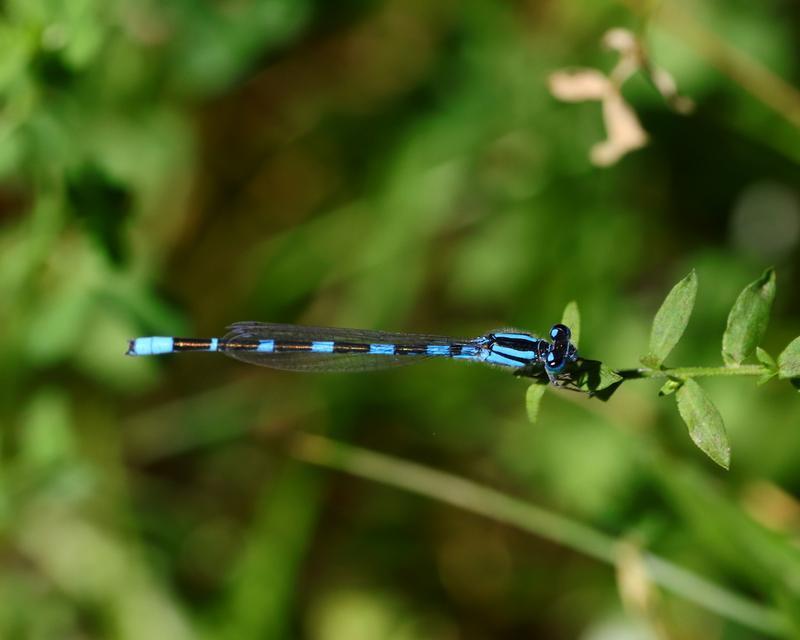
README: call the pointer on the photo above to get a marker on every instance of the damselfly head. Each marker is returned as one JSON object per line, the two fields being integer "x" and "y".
{"x": 561, "y": 352}
{"x": 560, "y": 333}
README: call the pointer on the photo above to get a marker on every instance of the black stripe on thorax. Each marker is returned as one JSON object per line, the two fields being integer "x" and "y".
{"x": 514, "y": 358}
{"x": 518, "y": 344}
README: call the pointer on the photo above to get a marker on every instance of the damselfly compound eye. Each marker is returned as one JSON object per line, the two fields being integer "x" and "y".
{"x": 560, "y": 333}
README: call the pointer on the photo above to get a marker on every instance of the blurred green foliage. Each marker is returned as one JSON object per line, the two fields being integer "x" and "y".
{"x": 168, "y": 168}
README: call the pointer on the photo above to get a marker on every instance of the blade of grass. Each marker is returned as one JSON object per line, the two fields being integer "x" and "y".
{"x": 476, "y": 498}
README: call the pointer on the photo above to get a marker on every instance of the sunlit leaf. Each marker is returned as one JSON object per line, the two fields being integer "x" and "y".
{"x": 670, "y": 387}
{"x": 533, "y": 400}
{"x": 706, "y": 428}
{"x": 769, "y": 362}
{"x": 764, "y": 358}
{"x": 671, "y": 320}
{"x": 789, "y": 360}
{"x": 572, "y": 318}
{"x": 748, "y": 319}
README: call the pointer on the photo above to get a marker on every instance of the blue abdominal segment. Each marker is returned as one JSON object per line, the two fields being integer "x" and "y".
{"x": 438, "y": 350}
{"x": 265, "y": 346}
{"x": 381, "y": 349}
{"x": 151, "y": 346}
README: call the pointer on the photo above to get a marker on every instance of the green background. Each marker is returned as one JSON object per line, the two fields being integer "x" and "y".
{"x": 167, "y": 168}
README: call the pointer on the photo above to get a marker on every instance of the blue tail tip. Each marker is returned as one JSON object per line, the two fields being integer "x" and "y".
{"x": 150, "y": 346}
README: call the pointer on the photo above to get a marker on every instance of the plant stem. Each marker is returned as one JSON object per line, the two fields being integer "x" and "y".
{"x": 482, "y": 500}
{"x": 694, "y": 372}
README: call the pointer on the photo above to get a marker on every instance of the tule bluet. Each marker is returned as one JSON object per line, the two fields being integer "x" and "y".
{"x": 301, "y": 348}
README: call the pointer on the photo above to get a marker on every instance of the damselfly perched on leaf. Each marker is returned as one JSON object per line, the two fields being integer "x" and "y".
{"x": 301, "y": 348}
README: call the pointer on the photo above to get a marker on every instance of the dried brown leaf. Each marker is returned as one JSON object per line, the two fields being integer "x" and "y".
{"x": 578, "y": 85}
{"x": 625, "y": 133}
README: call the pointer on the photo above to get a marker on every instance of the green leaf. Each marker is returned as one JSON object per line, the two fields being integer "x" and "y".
{"x": 572, "y": 318}
{"x": 706, "y": 428}
{"x": 533, "y": 400}
{"x": 789, "y": 360}
{"x": 767, "y": 360}
{"x": 670, "y": 387}
{"x": 748, "y": 319}
{"x": 589, "y": 376}
{"x": 592, "y": 376}
{"x": 671, "y": 320}
{"x": 766, "y": 377}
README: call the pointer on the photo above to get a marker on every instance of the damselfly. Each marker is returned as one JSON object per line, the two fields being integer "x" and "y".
{"x": 301, "y": 348}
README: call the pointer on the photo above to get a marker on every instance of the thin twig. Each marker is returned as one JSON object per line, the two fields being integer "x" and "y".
{"x": 751, "y": 75}
{"x": 693, "y": 372}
